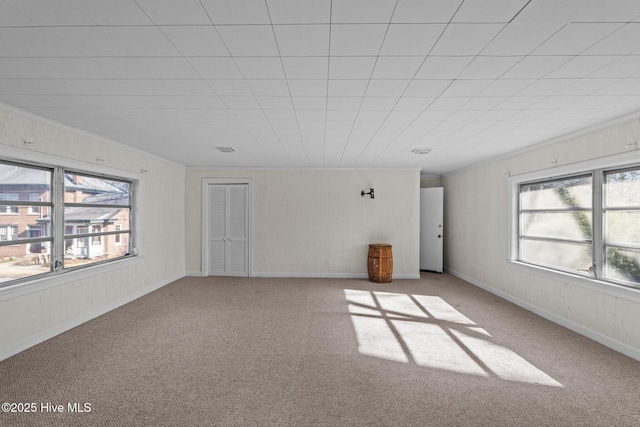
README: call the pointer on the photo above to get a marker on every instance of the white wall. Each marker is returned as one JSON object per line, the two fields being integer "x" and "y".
{"x": 28, "y": 319}
{"x": 476, "y": 214}
{"x": 313, "y": 222}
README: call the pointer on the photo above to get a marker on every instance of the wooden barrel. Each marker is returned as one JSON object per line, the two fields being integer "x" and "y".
{"x": 380, "y": 263}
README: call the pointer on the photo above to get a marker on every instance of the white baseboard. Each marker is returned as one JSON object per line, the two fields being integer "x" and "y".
{"x": 63, "y": 327}
{"x": 331, "y": 275}
{"x": 616, "y": 345}
{"x": 194, "y": 274}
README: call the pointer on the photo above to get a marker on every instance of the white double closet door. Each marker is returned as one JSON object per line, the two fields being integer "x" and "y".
{"x": 228, "y": 230}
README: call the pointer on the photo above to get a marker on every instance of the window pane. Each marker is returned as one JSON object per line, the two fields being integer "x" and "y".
{"x": 622, "y": 227}
{"x": 569, "y": 256}
{"x": 623, "y": 264}
{"x": 560, "y": 225}
{"x": 88, "y": 189}
{"x": 21, "y": 183}
{"x": 17, "y": 261}
{"x": 560, "y": 194}
{"x": 622, "y": 189}
{"x": 25, "y": 224}
{"x": 89, "y": 250}
{"x": 80, "y": 220}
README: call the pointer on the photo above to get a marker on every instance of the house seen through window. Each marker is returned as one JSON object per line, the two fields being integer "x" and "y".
{"x": 53, "y": 220}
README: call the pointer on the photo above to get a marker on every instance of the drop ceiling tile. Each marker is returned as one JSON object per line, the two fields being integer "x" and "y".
{"x": 553, "y": 102}
{"x": 300, "y": 11}
{"x": 357, "y": 39}
{"x": 411, "y": 39}
{"x": 465, "y": 39}
{"x": 241, "y": 102}
{"x": 273, "y": 115}
{"x": 623, "y": 67}
{"x": 249, "y": 40}
{"x": 426, "y": 88}
{"x": 113, "y": 12}
{"x": 306, "y": 67}
{"x": 506, "y": 87}
{"x": 342, "y": 115}
{"x": 579, "y": 11}
{"x": 397, "y": 67}
{"x": 169, "y": 12}
{"x": 483, "y": 102}
{"x": 308, "y": 87}
{"x": 344, "y": 102}
{"x": 269, "y": 87}
{"x": 318, "y": 116}
{"x": 148, "y": 68}
{"x": 30, "y": 68}
{"x": 215, "y": 67}
{"x": 253, "y": 115}
{"x": 623, "y": 87}
{"x": 309, "y": 102}
{"x": 488, "y": 67}
{"x": 34, "y": 42}
{"x": 467, "y": 88}
{"x": 11, "y": 17}
{"x": 263, "y": 68}
{"x": 519, "y": 102}
{"x": 489, "y": 11}
{"x": 425, "y": 11}
{"x": 535, "y": 67}
{"x": 116, "y": 41}
{"x": 574, "y": 38}
{"x": 361, "y": 11}
{"x": 196, "y": 40}
{"x": 275, "y": 102}
{"x": 378, "y": 103}
{"x": 351, "y": 67}
{"x": 302, "y": 40}
{"x": 545, "y": 87}
{"x": 230, "y": 87}
{"x": 233, "y": 12}
{"x": 623, "y": 41}
{"x": 448, "y": 104}
{"x": 581, "y": 66}
{"x": 50, "y": 13}
{"x": 393, "y": 88}
{"x": 347, "y": 87}
{"x": 443, "y": 67}
{"x": 585, "y": 87}
{"x": 413, "y": 103}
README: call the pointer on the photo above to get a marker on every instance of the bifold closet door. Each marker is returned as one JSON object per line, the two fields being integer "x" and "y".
{"x": 228, "y": 229}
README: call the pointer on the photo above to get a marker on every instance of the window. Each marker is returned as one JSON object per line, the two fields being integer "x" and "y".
{"x": 585, "y": 223}
{"x": 65, "y": 220}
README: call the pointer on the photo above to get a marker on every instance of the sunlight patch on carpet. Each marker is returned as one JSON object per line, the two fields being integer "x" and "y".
{"x": 427, "y": 331}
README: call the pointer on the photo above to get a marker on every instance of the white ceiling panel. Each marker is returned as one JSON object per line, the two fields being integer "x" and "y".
{"x": 466, "y": 39}
{"x": 411, "y": 39}
{"x": 169, "y": 12}
{"x": 300, "y": 11}
{"x": 489, "y": 11}
{"x": 249, "y": 40}
{"x": 574, "y": 38}
{"x": 425, "y": 11}
{"x": 233, "y": 12}
{"x": 196, "y": 40}
{"x": 306, "y": 67}
{"x": 302, "y": 40}
{"x": 361, "y": 11}
{"x": 306, "y": 83}
{"x": 357, "y": 40}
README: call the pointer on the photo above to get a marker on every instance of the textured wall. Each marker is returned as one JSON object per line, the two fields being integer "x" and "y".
{"x": 314, "y": 222}
{"x": 161, "y": 216}
{"x": 476, "y": 213}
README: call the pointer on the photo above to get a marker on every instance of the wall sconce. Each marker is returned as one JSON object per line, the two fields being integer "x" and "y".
{"x": 362, "y": 193}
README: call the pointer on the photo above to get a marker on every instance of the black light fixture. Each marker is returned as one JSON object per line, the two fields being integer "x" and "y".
{"x": 362, "y": 193}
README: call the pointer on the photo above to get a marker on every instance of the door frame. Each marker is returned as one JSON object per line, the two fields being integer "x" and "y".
{"x": 205, "y": 223}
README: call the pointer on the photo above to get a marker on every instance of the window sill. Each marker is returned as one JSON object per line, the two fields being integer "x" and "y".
{"x": 52, "y": 280}
{"x": 619, "y": 291}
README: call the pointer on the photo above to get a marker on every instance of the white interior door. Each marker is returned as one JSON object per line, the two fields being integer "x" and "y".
{"x": 431, "y": 228}
{"x": 228, "y": 230}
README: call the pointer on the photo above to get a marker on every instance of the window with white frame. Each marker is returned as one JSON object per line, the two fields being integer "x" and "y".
{"x": 585, "y": 223}
{"x": 73, "y": 227}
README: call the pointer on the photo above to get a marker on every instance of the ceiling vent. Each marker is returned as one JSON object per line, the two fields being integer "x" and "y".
{"x": 225, "y": 149}
{"x": 421, "y": 150}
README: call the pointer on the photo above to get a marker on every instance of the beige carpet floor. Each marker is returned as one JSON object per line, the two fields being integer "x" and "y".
{"x": 318, "y": 352}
